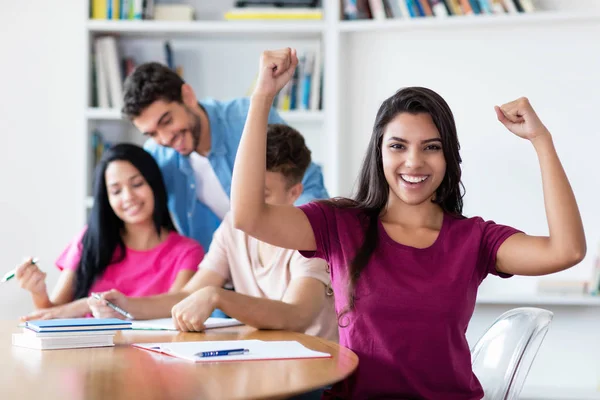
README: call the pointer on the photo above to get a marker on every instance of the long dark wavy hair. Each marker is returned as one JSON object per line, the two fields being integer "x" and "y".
{"x": 372, "y": 189}
{"x": 102, "y": 243}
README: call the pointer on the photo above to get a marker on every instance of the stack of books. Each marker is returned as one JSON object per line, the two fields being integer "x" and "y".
{"x": 275, "y": 10}
{"x": 384, "y": 9}
{"x": 69, "y": 333}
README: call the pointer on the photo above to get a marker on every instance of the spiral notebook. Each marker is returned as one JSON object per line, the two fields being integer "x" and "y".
{"x": 257, "y": 350}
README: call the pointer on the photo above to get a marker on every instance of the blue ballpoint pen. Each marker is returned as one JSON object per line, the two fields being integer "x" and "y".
{"x": 217, "y": 353}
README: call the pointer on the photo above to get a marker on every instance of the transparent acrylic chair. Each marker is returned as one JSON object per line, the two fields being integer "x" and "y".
{"x": 502, "y": 357}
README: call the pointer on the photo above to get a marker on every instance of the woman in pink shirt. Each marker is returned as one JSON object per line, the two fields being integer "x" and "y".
{"x": 130, "y": 242}
{"x": 405, "y": 263}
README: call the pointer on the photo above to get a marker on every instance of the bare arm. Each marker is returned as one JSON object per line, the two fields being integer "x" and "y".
{"x": 302, "y": 302}
{"x": 64, "y": 291}
{"x": 74, "y": 309}
{"x": 181, "y": 280}
{"x": 31, "y": 278}
{"x": 283, "y": 226}
{"x": 158, "y": 306}
{"x": 565, "y": 246}
{"x": 61, "y": 304}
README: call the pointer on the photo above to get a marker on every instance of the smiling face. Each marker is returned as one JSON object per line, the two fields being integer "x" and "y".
{"x": 412, "y": 157}
{"x": 170, "y": 124}
{"x": 129, "y": 194}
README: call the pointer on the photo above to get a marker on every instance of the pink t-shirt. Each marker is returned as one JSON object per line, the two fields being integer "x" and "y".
{"x": 412, "y": 306}
{"x": 141, "y": 273}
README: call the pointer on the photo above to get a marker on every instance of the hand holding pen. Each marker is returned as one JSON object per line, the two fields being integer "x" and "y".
{"x": 29, "y": 276}
{"x": 105, "y": 305}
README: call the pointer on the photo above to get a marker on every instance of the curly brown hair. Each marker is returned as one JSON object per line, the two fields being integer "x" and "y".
{"x": 148, "y": 83}
{"x": 287, "y": 152}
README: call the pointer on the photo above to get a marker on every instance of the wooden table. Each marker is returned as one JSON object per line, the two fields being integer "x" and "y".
{"x": 125, "y": 372}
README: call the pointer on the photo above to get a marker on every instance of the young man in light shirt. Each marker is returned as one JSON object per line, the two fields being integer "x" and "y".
{"x": 195, "y": 144}
{"x": 276, "y": 288}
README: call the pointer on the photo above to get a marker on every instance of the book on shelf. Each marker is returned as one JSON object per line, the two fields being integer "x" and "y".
{"x": 273, "y": 13}
{"x": 110, "y": 69}
{"x": 304, "y": 92}
{"x": 109, "y": 75}
{"x": 99, "y": 146}
{"x": 173, "y": 12}
{"x": 577, "y": 287}
{"x": 277, "y": 3}
{"x": 595, "y": 280}
{"x": 390, "y": 9}
{"x": 562, "y": 287}
{"x": 121, "y": 9}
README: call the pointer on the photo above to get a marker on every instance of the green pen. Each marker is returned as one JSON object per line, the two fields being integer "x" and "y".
{"x": 11, "y": 274}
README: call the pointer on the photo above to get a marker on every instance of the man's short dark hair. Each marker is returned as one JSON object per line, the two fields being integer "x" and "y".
{"x": 287, "y": 152}
{"x": 146, "y": 84}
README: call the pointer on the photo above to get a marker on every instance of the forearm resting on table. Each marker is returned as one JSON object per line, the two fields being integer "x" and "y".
{"x": 263, "y": 313}
{"x": 153, "y": 307}
{"x": 79, "y": 308}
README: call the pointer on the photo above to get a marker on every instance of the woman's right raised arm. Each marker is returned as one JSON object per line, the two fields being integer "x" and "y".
{"x": 283, "y": 226}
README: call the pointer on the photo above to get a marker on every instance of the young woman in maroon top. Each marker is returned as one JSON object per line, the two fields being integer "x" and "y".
{"x": 405, "y": 263}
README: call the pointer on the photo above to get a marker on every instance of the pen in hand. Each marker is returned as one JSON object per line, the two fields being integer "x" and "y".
{"x": 11, "y": 274}
{"x": 113, "y": 306}
{"x": 217, "y": 353}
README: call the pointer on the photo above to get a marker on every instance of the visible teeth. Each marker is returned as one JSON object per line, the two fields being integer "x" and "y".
{"x": 413, "y": 179}
{"x": 132, "y": 208}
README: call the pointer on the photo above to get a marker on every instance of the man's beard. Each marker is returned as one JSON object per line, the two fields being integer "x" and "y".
{"x": 195, "y": 129}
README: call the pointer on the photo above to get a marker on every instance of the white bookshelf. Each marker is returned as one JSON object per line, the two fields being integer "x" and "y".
{"x": 539, "y": 17}
{"x": 216, "y": 29}
{"x": 143, "y": 38}
{"x": 539, "y": 299}
{"x": 111, "y": 114}
{"x": 324, "y": 126}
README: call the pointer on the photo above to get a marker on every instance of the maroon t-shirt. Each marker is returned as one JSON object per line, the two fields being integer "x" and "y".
{"x": 412, "y": 306}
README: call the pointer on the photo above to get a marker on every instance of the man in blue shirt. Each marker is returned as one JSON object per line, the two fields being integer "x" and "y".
{"x": 195, "y": 144}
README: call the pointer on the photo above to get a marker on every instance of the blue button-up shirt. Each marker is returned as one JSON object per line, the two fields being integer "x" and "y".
{"x": 227, "y": 119}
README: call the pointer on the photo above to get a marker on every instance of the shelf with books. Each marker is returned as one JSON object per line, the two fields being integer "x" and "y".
{"x": 174, "y": 29}
{"x": 539, "y": 299}
{"x": 538, "y": 17}
{"x": 111, "y": 114}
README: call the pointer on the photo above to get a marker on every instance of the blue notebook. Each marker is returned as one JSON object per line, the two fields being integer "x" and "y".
{"x": 78, "y": 324}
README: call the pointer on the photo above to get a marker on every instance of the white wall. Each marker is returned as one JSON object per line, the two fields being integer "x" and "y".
{"x": 41, "y": 114}
{"x": 474, "y": 68}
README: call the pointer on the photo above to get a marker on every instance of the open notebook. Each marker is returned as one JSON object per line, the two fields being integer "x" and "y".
{"x": 257, "y": 350}
{"x": 166, "y": 324}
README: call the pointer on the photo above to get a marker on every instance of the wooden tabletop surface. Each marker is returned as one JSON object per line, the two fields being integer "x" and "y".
{"x": 126, "y": 372}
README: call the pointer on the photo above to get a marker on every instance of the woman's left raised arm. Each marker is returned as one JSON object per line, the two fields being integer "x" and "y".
{"x": 565, "y": 246}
